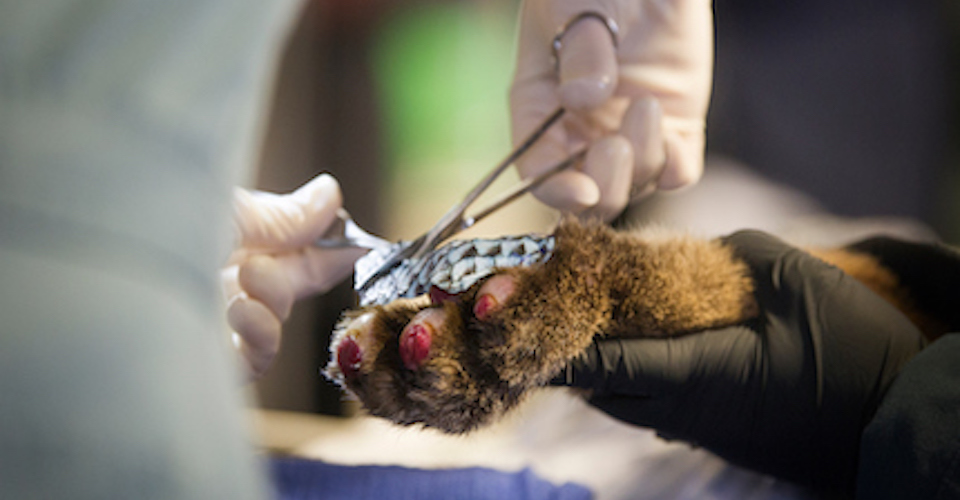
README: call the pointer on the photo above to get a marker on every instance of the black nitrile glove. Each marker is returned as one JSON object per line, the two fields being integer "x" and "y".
{"x": 787, "y": 394}
{"x": 930, "y": 272}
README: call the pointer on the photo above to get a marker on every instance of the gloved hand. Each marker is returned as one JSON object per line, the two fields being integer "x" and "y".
{"x": 276, "y": 263}
{"x": 788, "y": 394}
{"x": 640, "y": 106}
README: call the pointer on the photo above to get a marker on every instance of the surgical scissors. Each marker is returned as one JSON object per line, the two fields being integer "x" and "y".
{"x": 455, "y": 220}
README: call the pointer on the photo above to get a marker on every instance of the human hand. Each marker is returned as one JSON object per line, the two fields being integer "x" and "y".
{"x": 276, "y": 263}
{"x": 639, "y": 104}
{"x": 787, "y": 394}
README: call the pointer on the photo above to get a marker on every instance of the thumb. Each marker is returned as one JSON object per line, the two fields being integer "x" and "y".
{"x": 272, "y": 222}
{"x": 670, "y": 384}
{"x": 621, "y": 367}
{"x": 660, "y": 367}
{"x": 317, "y": 270}
{"x": 627, "y": 378}
{"x": 588, "y": 65}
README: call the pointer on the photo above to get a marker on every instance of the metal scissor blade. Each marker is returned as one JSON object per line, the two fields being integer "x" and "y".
{"x": 345, "y": 233}
{"x": 378, "y": 264}
{"x": 381, "y": 262}
{"x": 524, "y": 187}
{"x": 453, "y": 221}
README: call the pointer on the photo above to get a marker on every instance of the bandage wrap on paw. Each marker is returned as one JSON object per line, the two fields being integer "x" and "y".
{"x": 453, "y": 268}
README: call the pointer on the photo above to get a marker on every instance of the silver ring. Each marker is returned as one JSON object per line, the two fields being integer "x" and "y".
{"x": 557, "y": 43}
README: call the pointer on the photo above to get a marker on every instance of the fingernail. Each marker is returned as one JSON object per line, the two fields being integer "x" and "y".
{"x": 484, "y": 306}
{"x": 586, "y": 93}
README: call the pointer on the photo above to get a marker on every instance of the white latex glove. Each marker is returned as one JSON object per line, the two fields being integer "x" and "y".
{"x": 640, "y": 107}
{"x": 276, "y": 263}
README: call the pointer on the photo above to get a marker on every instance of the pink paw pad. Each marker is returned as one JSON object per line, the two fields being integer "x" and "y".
{"x": 415, "y": 345}
{"x": 484, "y": 306}
{"x": 349, "y": 357}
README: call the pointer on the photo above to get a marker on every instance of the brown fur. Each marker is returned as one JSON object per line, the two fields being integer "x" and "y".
{"x": 868, "y": 270}
{"x": 599, "y": 282}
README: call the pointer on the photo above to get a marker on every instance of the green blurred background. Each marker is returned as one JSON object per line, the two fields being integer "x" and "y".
{"x": 406, "y": 103}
